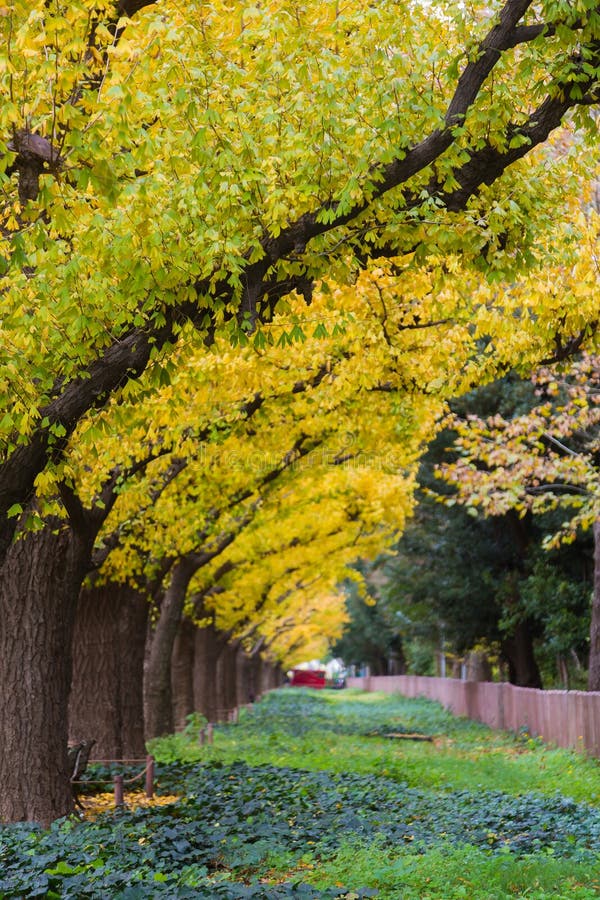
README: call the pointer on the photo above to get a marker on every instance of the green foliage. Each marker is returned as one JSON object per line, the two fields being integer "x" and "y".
{"x": 304, "y": 729}
{"x": 248, "y": 827}
{"x": 295, "y": 808}
{"x": 371, "y": 635}
{"x": 467, "y": 872}
{"x": 459, "y": 581}
{"x": 165, "y": 852}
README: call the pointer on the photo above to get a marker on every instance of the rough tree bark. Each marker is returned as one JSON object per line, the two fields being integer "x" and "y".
{"x": 108, "y": 657}
{"x": 226, "y": 683}
{"x": 182, "y": 673}
{"x": 39, "y": 584}
{"x": 257, "y": 677}
{"x": 254, "y": 688}
{"x": 246, "y": 691}
{"x": 397, "y": 658}
{"x": 271, "y": 676}
{"x": 157, "y": 682}
{"x": 209, "y": 644}
{"x": 478, "y": 666}
{"x": 517, "y": 646}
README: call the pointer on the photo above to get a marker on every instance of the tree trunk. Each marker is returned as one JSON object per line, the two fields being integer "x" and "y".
{"x": 271, "y": 676}
{"x": 252, "y": 669}
{"x": 208, "y": 647}
{"x": 39, "y": 584}
{"x": 182, "y": 674}
{"x": 397, "y": 659}
{"x": 478, "y": 666}
{"x": 245, "y": 678}
{"x": 157, "y": 682}
{"x": 265, "y": 675}
{"x": 379, "y": 664}
{"x": 455, "y": 668}
{"x": 518, "y": 649}
{"x": 562, "y": 668}
{"x": 594, "y": 662}
{"x": 257, "y": 675}
{"x": 278, "y": 676}
{"x": 226, "y": 681}
{"x": 241, "y": 689}
{"x": 108, "y": 656}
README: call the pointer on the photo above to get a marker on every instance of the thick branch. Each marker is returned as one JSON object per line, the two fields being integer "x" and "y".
{"x": 130, "y": 7}
{"x": 414, "y": 160}
{"x": 78, "y": 515}
{"x": 561, "y": 487}
{"x": 128, "y": 356}
{"x": 123, "y": 360}
{"x": 106, "y": 497}
{"x": 202, "y": 557}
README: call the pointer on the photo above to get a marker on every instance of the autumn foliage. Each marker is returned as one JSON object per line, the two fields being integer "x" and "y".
{"x": 247, "y": 254}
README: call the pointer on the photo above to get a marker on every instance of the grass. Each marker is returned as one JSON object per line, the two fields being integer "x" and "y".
{"x": 307, "y": 798}
{"x": 463, "y": 873}
{"x": 463, "y": 755}
{"x": 330, "y": 732}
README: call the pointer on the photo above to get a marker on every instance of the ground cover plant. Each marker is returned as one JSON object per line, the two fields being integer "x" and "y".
{"x": 307, "y": 797}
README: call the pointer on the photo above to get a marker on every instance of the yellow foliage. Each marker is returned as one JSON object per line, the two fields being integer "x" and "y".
{"x": 180, "y": 144}
{"x": 100, "y": 803}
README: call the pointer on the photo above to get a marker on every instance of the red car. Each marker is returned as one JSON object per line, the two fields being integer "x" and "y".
{"x": 314, "y": 678}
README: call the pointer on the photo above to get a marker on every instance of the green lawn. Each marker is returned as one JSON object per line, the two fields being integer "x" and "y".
{"x": 306, "y": 797}
{"x": 464, "y": 754}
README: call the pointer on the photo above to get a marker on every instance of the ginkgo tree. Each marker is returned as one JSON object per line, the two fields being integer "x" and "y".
{"x": 543, "y": 460}
{"x": 167, "y": 168}
{"x": 197, "y": 406}
{"x": 165, "y": 163}
{"x": 332, "y": 439}
{"x": 339, "y": 416}
{"x": 366, "y": 368}
{"x": 357, "y": 368}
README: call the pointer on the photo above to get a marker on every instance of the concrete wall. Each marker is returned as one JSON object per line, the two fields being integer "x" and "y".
{"x": 565, "y": 718}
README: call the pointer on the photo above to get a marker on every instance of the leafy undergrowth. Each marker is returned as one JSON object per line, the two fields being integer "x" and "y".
{"x": 463, "y": 754}
{"x": 306, "y": 798}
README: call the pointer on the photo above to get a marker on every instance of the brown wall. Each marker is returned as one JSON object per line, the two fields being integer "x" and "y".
{"x": 565, "y": 718}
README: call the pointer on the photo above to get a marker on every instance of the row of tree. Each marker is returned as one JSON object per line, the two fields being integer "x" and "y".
{"x": 244, "y": 259}
{"x": 210, "y": 674}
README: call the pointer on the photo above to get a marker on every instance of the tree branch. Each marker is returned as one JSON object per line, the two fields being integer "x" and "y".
{"x": 78, "y": 515}
{"x": 128, "y": 356}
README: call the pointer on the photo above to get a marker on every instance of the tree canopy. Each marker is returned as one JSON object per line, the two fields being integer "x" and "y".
{"x": 278, "y": 145}
{"x": 543, "y": 460}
